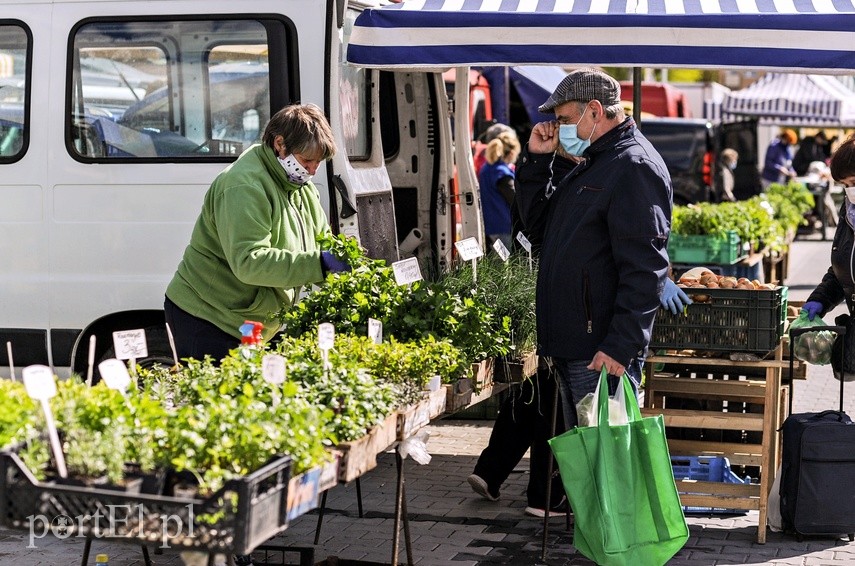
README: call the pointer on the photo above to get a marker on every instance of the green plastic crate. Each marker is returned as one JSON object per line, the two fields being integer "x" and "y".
{"x": 731, "y": 320}
{"x": 704, "y": 250}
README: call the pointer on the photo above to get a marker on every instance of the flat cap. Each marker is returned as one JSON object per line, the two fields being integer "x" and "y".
{"x": 584, "y": 85}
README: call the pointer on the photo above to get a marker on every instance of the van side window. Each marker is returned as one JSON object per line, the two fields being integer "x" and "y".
{"x": 15, "y": 54}
{"x": 174, "y": 90}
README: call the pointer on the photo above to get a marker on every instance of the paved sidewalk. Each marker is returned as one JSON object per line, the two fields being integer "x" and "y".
{"x": 451, "y": 526}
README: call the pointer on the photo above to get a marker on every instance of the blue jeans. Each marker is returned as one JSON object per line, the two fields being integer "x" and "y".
{"x": 576, "y": 380}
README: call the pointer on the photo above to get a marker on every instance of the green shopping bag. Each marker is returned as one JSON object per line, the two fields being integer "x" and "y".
{"x": 621, "y": 487}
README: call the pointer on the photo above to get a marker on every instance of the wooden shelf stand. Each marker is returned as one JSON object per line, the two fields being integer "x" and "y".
{"x": 732, "y": 385}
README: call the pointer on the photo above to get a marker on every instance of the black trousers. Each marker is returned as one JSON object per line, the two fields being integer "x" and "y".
{"x": 195, "y": 337}
{"x": 524, "y": 421}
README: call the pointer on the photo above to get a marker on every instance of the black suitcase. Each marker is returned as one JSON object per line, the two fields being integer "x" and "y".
{"x": 818, "y": 468}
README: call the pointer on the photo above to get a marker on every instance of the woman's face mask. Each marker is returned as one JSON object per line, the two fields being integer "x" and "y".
{"x": 850, "y": 194}
{"x": 295, "y": 171}
{"x": 569, "y": 138}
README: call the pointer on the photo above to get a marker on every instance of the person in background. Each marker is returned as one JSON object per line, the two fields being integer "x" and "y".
{"x": 496, "y": 180}
{"x": 480, "y": 146}
{"x": 254, "y": 244}
{"x": 604, "y": 227}
{"x": 838, "y": 283}
{"x": 777, "y": 167}
{"x": 811, "y": 149}
{"x": 727, "y": 164}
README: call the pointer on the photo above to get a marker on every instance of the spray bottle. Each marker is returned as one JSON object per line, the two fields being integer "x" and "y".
{"x": 250, "y": 337}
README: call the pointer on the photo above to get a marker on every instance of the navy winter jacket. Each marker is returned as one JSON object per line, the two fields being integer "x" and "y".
{"x": 603, "y": 260}
{"x": 839, "y": 281}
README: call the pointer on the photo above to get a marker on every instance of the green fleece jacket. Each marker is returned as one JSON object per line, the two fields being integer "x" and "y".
{"x": 253, "y": 245}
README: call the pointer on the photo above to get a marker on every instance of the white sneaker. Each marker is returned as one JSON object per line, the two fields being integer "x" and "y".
{"x": 557, "y": 511}
{"x": 480, "y": 487}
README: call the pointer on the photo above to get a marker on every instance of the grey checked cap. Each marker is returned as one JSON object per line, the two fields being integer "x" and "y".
{"x": 583, "y": 85}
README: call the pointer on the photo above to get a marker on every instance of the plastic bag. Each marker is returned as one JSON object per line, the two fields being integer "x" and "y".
{"x": 812, "y": 347}
{"x": 586, "y": 409}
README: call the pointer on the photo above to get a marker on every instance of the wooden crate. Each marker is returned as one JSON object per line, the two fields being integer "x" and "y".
{"x": 514, "y": 370}
{"x": 412, "y": 418}
{"x": 360, "y": 456}
{"x": 459, "y": 399}
{"x": 482, "y": 373}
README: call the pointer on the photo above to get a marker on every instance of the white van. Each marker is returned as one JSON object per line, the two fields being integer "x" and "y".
{"x": 115, "y": 115}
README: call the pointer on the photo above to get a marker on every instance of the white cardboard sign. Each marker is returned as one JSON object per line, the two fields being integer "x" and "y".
{"x": 130, "y": 344}
{"x": 524, "y": 242}
{"x": 407, "y": 271}
{"x": 115, "y": 374}
{"x": 326, "y": 335}
{"x": 375, "y": 330}
{"x": 469, "y": 249}
{"x": 500, "y": 248}
{"x": 39, "y": 382}
{"x": 273, "y": 369}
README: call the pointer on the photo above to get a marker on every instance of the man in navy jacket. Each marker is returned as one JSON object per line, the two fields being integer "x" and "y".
{"x": 604, "y": 227}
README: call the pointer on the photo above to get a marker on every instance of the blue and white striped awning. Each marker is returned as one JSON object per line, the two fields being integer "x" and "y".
{"x": 794, "y": 99}
{"x": 816, "y": 36}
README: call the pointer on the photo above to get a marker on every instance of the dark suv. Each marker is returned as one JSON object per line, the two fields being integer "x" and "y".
{"x": 690, "y": 149}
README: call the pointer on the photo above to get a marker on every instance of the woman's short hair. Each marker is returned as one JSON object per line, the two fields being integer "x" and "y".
{"x": 842, "y": 162}
{"x": 305, "y": 130}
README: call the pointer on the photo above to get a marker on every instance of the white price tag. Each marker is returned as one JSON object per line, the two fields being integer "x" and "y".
{"x": 130, "y": 344}
{"x": 326, "y": 335}
{"x": 407, "y": 271}
{"x": 39, "y": 381}
{"x": 469, "y": 249}
{"x": 273, "y": 369}
{"x": 524, "y": 242}
{"x": 500, "y": 248}
{"x": 375, "y": 330}
{"x": 115, "y": 374}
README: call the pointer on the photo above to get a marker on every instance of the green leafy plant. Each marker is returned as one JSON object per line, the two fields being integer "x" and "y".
{"x": 17, "y": 413}
{"x": 423, "y": 309}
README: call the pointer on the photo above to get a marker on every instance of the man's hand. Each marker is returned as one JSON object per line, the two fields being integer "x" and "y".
{"x": 612, "y": 366}
{"x": 544, "y": 137}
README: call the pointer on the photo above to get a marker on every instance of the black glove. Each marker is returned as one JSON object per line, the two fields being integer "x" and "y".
{"x": 331, "y": 264}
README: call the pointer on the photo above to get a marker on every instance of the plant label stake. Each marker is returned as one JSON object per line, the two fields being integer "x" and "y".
{"x": 326, "y": 340}
{"x": 500, "y": 248}
{"x": 273, "y": 372}
{"x": 41, "y": 386}
{"x": 11, "y": 362}
{"x": 172, "y": 344}
{"x": 90, "y": 361}
{"x": 407, "y": 271}
{"x": 527, "y": 247}
{"x": 375, "y": 330}
{"x": 470, "y": 250}
{"x": 130, "y": 345}
{"x": 115, "y": 375}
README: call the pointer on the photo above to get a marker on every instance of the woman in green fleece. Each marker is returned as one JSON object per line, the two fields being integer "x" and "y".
{"x": 253, "y": 246}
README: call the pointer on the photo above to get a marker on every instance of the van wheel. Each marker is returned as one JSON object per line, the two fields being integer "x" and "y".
{"x": 159, "y": 352}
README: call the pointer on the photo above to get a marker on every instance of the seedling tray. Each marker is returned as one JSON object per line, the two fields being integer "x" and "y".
{"x": 704, "y": 249}
{"x": 242, "y": 515}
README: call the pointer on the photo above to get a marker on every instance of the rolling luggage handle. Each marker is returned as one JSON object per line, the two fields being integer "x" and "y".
{"x": 796, "y": 332}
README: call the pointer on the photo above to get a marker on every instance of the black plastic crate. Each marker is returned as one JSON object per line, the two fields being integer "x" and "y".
{"x": 245, "y": 513}
{"x": 739, "y": 320}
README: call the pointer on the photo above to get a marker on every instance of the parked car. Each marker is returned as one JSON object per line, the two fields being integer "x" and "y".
{"x": 690, "y": 149}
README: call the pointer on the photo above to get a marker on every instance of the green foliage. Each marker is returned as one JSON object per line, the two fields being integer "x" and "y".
{"x": 16, "y": 413}
{"x": 348, "y": 300}
{"x": 790, "y": 202}
{"x": 507, "y": 288}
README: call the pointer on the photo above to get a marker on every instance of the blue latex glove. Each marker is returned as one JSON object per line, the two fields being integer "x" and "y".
{"x": 673, "y": 298}
{"x": 331, "y": 264}
{"x": 812, "y": 308}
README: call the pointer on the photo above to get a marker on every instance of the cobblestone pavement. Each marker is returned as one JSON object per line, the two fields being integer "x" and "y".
{"x": 450, "y": 525}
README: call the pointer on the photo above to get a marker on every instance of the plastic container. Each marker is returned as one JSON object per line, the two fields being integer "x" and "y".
{"x": 730, "y": 320}
{"x": 706, "y": 468}
{"x": 102, "y": 560}
{"x": 704, "y": 249}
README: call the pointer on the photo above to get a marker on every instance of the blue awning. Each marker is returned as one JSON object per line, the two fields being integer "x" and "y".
{"x": 794, "y": 99}
{"x": 816, "y": 36}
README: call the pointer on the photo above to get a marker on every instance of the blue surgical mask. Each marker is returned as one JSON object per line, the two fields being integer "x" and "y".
{"x": 569, "y": 138}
